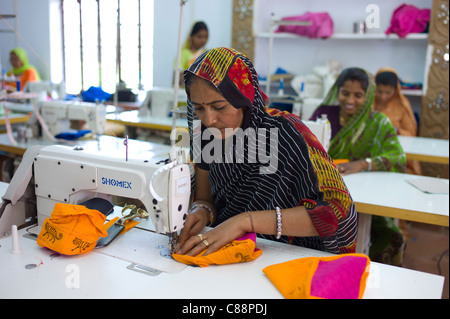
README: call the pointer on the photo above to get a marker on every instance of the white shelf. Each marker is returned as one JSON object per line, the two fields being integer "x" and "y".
{"x": 412, "y": 92}
{"x": 350, "y": 36}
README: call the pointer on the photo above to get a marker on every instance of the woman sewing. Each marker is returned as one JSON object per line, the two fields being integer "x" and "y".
{"x": 390, "y": 101}
{"x": 301, "y": 199}
{"x": 22, "y": 70}
{"x": 367, "y": 141}
{"x": 193, "y": 46}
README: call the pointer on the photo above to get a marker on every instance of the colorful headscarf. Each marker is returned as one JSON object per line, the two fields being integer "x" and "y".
{"x": 22, "y": 55}
{"x": 366, "y": 134}
{"x": 299, "y": 173}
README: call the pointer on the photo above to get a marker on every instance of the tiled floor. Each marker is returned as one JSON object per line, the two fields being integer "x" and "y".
{"x": 427, "y": 251}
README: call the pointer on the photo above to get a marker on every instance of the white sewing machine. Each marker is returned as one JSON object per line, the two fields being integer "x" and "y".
{"x": 159, "y": 102}
{"x": 64, "y": 174}
{"x": 57, "y": 115}
{"x": 321, "y": 128}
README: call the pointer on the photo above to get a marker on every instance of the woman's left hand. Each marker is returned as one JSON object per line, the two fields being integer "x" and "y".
{"x": 351, "y": 167}
{"x": 231, "y": 229}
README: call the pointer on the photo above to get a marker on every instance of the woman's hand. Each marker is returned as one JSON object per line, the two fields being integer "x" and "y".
{"x": 194, "y": 223}
{"x": 351, "y": 167}
{"x": 231, "y": 229}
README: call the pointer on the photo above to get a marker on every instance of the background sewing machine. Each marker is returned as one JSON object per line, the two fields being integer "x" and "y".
{"x": 321, "y": 128}
{"x": 58, "y": 114}
{"x": 159, "y": 102}
{"x": 64, "y": 174}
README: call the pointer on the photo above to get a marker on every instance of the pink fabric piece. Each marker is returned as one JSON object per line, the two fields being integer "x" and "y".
{"x": 251, "y": 236}
{"x": 321, "y": 25}
{"x": 408, "y": 19}
{"x": 338, "y": 279}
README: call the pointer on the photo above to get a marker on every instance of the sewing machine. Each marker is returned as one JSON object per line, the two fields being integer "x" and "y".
{"x": 321, "y": 128}
{"x": 159, "y": 102}
{"x": 64, "y": 174}
{"x": 57, "y": 115}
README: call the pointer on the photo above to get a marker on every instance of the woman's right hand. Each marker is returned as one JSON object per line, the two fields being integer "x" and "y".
{"x": 194, "y": 223}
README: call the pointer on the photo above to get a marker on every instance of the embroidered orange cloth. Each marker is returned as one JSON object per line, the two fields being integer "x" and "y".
{"x": 72, "y": 229}
{"x": 335, "y": 277}
{"x": 240, "y": 250}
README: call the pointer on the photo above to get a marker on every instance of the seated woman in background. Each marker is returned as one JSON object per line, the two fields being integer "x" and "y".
{"x": 366, "y": 139}
{"x": 193, "y": 46}
{"x": 22, "y": 70}
{"x": 390, "y": 101}
{"x": 298, "y": 198}
{"x": 369, "y": 142}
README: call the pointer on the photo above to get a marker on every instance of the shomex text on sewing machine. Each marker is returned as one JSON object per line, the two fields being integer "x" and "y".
{"x": 64, "y": 174}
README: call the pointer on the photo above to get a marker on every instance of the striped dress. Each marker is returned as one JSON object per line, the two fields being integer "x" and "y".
{"x": 291, "y": 166}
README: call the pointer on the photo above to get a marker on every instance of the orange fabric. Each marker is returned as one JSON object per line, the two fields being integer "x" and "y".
{"x": 340, "y": 161}
{"x": 128, "y": 225}
{"x": 293, "y": 278}
{"x": 238, "y": 251}
{"x": 72, "y": 229}
{"x": 29, "y": 75}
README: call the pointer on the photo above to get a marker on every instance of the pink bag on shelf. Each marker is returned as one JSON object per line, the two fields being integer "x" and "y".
{"x": 408, "y": 19}
{"x": 321, "y": 25}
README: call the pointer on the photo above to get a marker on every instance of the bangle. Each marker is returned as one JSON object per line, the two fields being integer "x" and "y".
{"x": 251, "y": 221}
{"x": 211, "y": 214}
{"x": 368, "y": 160}
{"x": 279, "y": 225}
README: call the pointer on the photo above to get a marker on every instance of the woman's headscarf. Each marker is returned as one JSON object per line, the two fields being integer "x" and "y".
{"x": 22, "y": 55}
{"x": 299, "y": 172}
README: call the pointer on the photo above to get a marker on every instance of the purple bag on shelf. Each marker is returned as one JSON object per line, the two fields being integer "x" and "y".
{"x": 321, "y": 25}
{"x": 408, "y": 19}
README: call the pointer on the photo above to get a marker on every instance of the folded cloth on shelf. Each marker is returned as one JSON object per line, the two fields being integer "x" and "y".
{"x": 72, "y": 229}
{"x": 335, "y": 277}
{"x": 408, "y": 19}
{"x": 321, "y": 25}
{"x": 240, "y": 250}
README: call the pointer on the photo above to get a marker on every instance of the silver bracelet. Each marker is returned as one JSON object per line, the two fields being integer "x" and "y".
{"x": 279, "y": 225}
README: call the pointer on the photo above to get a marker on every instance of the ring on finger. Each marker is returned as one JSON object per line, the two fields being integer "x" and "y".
{"x": 200, "y": 236}
{"x": 205, "y": 242}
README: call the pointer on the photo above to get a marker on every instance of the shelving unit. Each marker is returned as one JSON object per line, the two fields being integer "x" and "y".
{"x": 349, "y": 36}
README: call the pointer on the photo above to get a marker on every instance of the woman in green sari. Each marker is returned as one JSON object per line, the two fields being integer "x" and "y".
{"x": 364, "y": 140}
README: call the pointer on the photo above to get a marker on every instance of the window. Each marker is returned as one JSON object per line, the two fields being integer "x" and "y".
{"x": 106, "y": 41}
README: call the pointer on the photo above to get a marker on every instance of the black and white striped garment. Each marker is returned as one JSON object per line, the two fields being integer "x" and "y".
{"x": 293, "y": 168}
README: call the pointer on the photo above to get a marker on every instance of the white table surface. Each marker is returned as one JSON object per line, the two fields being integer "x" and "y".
{"x": 132, "y": 118}
{"x": 95, "y": 275}
{"x": 389, "y": 194}
{"x": 425, "y": 149}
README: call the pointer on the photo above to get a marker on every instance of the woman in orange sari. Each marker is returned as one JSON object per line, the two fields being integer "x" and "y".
{"x": 390, "y": 101}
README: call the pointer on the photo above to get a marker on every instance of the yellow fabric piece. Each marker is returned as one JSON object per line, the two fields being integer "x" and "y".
{"x": 293, "y": 278}
{"x": 72, "y": 229}
{"x": 237, "y": 251}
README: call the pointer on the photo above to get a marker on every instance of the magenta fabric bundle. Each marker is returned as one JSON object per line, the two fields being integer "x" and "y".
{"x": 321, "y": 25}
{"x": 408, "y": 19}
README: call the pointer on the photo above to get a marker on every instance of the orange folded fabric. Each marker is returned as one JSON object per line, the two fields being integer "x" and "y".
{"x": 240, "y": 250}
{"x": 72, "y": 229}
{"x": 335, "y": 277}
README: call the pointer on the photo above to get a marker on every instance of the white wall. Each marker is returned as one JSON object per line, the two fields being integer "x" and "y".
{"x": 300, "y": 55}
{"x": 217, "y": 14}
{"x": 37, "y": 25}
